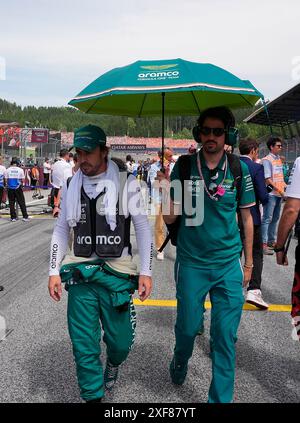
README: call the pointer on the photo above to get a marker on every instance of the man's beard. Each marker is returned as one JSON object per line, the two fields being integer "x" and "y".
{"x": 211, "y": 147}
{"x": 88, "y": 170}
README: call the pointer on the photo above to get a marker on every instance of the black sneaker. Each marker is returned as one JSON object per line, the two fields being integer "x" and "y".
{"x": 178, "y": 371}
{"x": 110, "y": 376}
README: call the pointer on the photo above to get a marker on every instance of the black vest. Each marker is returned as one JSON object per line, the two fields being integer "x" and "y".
{"x": 93, "y": 235}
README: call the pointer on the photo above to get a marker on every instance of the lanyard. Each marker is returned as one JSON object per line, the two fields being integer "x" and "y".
{"x": 211, "y": 196}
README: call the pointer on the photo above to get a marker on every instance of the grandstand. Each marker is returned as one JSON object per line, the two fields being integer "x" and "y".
{"x": 136, "y": 147}
{"x": 283, "y": 114}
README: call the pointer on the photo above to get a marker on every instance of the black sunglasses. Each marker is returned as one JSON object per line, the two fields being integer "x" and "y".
{"x": 218, "y": 132}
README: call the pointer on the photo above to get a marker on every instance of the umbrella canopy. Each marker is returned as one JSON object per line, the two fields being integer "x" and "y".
{"x": 189, "y": 87}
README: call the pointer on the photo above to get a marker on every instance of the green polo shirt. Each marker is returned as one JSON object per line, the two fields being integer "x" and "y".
{"x": 216, "y": 240}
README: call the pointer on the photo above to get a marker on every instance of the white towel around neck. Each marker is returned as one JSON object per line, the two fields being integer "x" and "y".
{"x": 110, "y": 183}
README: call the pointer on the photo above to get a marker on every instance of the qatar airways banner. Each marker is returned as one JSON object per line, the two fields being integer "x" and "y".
{"x": 39, "y": 135}
{"x": 128, "y": 147}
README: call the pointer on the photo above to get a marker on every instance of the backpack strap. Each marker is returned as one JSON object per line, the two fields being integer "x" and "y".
{"x": 184, "y": 168}
{"x": 184, "y": 173}
{"x": 236, "y": 170}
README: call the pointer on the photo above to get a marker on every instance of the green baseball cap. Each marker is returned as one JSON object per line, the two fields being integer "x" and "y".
{"x": 89, "y": 137}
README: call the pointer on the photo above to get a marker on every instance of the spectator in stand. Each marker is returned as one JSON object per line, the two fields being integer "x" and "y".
{"x": 14, "y": 179}
{"x": 46, "y": 172}
{"x": 2, "y": 173}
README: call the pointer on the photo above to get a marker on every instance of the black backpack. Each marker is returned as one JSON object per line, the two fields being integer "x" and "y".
{"x": 184, "y": 165}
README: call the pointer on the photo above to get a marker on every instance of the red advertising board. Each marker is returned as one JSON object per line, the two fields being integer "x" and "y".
{"x": 39, "y": 135}
{"x": 10, "y": 136}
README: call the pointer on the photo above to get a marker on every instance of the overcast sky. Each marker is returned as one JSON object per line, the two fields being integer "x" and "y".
{"x": 51, "y": 49}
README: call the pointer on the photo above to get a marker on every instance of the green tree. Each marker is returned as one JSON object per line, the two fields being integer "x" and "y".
{"x": 69, "y": 118}
{"x": 184, "y": 134}
{"x": 131, "y": 125}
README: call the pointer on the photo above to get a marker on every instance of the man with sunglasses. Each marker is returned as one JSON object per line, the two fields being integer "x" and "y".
{"x": 274, "y": 178}
{"x": 208, "y": 253}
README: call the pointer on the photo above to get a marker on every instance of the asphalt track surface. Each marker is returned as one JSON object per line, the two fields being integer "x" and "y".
{"x": 36, "y": 357}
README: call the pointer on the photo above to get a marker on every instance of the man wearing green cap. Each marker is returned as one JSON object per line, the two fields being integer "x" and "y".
{"x": 97, "y": 206}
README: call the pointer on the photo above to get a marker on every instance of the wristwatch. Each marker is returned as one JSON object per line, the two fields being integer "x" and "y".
{"x": 278, "y": 249}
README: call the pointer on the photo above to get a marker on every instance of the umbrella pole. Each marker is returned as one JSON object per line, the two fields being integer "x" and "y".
{"x": 163, "y": 131}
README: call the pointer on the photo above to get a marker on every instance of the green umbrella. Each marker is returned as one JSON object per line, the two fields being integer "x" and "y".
{"x": 165, "y": 87}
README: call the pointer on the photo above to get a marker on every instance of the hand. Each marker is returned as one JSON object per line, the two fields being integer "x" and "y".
{"x": 279, "y": 259}
{"x": 145, "y": 287}
{"x": 54, "y": 286}
{"x": 162, "y": 183}
{"x": 55, "y": 211}
{"x": 161, "y": 177}
{"x": 279, "y": 192}
{"x": 247, "y": 275}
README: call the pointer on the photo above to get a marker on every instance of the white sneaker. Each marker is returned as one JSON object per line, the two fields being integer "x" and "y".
{"x": 254, "y": 297}
{"x": 160, "y": 256}
{"x": 26, "y": 219}
{"x": 13, "y": 220}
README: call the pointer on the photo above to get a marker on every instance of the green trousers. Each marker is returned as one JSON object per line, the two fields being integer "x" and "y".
{"x": 226, "y": 295}
{"x": 88, "y": 305}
